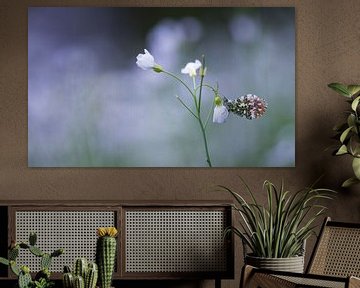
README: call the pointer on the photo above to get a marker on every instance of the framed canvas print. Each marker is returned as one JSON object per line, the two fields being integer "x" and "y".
{"x": 161, "y": 87}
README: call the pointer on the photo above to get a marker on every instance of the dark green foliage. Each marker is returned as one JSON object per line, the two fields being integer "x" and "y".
{"x": 348, "y": 132}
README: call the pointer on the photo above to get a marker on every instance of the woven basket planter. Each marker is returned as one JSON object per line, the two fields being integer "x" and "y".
{"x": 291, "y": 264}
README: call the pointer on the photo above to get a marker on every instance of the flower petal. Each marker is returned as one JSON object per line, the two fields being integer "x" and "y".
{"x": 145, "y": 61}
{"x": 220, "y": 114}
{"x": 191, "y": 68}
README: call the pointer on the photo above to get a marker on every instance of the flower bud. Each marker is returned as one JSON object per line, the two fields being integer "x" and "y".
{"x": 157, "y": 68}
{"x": 218, "y": 101}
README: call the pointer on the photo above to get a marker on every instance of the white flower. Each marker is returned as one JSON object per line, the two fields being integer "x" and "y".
{"x": 220, "y": 114}
{"x": 146, "y": 61}
{"x": 191, "y": 68}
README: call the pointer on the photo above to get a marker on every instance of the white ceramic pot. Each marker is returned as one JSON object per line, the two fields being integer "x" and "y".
{"x": 291, "y": 264}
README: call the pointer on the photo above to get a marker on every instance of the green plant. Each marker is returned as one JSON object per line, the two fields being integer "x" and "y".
{"x": 106, "y": 254}
{"x": 278, "y": 229}
{"x": 42, "y": 278}
{"x": 85, "y": 275}
{"x": 348, "y": 133}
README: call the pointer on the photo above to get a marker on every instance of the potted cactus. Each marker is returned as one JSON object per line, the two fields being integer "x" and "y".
{"x": 84, "y": 275}
{"x": 106, "y": 254}
{"x": 42, "y": 278}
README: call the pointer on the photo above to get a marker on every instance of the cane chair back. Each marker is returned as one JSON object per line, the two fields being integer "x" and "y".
{"x": 337, "y": 252}
{"x": 335, "y": 262}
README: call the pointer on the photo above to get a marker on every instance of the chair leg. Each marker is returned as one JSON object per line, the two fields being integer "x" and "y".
{"x": 217, "y": 283}
{"x": 250, "y": 278}
{"x": 246, "y": 274}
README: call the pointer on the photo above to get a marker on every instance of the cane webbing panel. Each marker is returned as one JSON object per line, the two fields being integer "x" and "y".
{"x": 74, "y": 231}
{"x": 175, "y": 241}
{"x": 313, "y": 282}
{"x": 338, "y": 252}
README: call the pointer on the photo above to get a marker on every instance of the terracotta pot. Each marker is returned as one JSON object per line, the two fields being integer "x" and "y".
{"x": 291, "y": 264}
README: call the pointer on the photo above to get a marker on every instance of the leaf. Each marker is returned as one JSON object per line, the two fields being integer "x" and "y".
{"x": 356, "y": 167}
{"x": 340, "y": 88}
{"x": 351, "y": 120}
{"x": 355, "y": 103}
{"x": 342, "y": 150}
{"x": 4, "y": 261}
{"x": 345, "y": 134}
{"x": 354, "y": 145}
{"x": 353, "y": 89}
{"x": 349, "y": 182}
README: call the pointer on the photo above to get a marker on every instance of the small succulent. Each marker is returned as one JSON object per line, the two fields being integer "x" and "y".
{"x": 42, "y": 283}
{"x": 348, "y": 132}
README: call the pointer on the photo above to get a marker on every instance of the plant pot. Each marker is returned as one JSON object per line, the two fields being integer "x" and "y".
{"x": 291, "y": 264}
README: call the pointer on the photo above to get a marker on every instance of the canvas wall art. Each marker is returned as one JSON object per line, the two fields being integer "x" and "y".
{"x": 161, "y": 87}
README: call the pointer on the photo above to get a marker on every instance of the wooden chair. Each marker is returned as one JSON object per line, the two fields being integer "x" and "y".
{"x": 334, "y": 263}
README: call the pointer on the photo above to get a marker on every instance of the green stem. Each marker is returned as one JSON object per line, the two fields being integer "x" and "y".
{"x": 202, "y": 127}
{"x": 187, "y": 107}
{"x": 208, "y": 160}
{"x": 198, "y": 110}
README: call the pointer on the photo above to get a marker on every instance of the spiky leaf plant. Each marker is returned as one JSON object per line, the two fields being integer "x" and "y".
{"x": 279, "y": 228}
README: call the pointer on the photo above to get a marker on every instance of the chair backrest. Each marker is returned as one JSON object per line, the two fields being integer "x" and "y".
{"x": 337, "y": 251}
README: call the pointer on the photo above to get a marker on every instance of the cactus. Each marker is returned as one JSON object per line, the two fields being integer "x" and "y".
{"x": 13, "y": 253}
{"x": 36, "y": 251}
{"x": 91, "y": 276}
{"x": 81, "y": 265}
{"x": 42, "y": 278}
{"x": 79, "y": 282}
{"x": 106, "y": 254}
{"x": 24, "y": 277}
{"x": 32, "y": 238}
{"x": 68, "y": 280}
{"x": 45, "y": 261}
{"x": 14, "y": 268}
{"x": 87, "y": 272}
{"x": 44, "y": 273}
{"x": 57, "y": 253}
